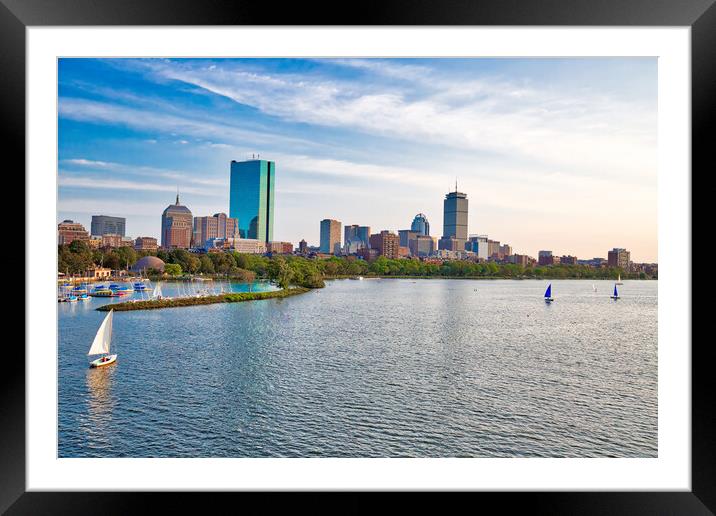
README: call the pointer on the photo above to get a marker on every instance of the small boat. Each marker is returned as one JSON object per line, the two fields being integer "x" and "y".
{"x": 101, "y": 343}
{"x": 594, "y": 288}
{"x": 157, "y": 294}
{"x": 615, "y": 296}
{"x": 139, "y": 286}
{"x": 103, "y": 293}
{"x": 548, "y": 294}
{"x": 83, "y": 296}
{"x": 619, "y": 280}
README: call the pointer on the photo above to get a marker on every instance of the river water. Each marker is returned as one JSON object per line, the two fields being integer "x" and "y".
{"x": 373, "y": 368}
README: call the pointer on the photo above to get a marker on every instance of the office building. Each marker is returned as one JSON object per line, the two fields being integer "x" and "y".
{"x": 247, "y": 245}
{"x": 216, "y": 226}
{"x": 330, "y": 236}
{"x": 280, "y": 247}
{"x": 251, "y": 198}
{"x": 478, "y": 244}
{"x": 355, "y": 236}
{"x": 303, "y": 247}
{"x": 106, "y": 225}
{"x": 69, "y": 231}
{"x": 420, "y": 225}
{"x": 618, "y": 257}
{"x": 568, "y": 260}
{"x": 454, "y": 221}
{"x": 406, "y": 235}
{"x": 177, "y": 224}
{"x": 422, "y": 246}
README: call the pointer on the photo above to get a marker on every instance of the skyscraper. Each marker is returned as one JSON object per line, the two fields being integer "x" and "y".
{"x": 106, "y": 225}
{"x": 420, "y": 225}
{"x": 358, "y": 235}
{"x": 454, "y": 221}
{"x": 251, "y": 197}
{"x": 176, "y": 226}
{"x": 330, "y": 235}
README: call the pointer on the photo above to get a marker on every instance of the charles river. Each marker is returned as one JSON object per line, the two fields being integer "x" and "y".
{"x": 373, "y": 368}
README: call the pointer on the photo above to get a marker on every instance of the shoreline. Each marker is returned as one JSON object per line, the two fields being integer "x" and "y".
{"x": 237, "y": 297}
{"x": 516, "y": 278}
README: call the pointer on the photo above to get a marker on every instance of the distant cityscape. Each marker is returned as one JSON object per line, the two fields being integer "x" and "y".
{"x": 249, "y": 229}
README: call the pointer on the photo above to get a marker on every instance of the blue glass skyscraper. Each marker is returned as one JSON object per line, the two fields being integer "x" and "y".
{"x": 420, "y": 225}
{"x": 251, "y": 197}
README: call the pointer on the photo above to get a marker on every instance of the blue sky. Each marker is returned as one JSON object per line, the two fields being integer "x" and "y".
{"x": 554, "y": 154}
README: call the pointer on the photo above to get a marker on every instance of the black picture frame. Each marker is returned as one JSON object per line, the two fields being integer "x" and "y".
{"x": 700, "y": 15}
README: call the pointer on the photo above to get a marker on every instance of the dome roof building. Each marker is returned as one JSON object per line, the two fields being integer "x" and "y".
{"x": 177, "y": 226}
{"x": 148, "y": 262}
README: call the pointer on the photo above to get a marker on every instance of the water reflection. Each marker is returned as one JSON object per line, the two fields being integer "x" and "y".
{"x": 100, "y": 402}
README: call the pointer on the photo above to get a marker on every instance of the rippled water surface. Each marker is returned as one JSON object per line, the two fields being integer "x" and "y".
{"x": 373, "y": 368}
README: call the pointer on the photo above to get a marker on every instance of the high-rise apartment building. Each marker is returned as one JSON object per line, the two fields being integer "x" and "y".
{"x": 387, "y": 244}
{"x": 618, "y": 257}
{"x": 106, "y": 225}
{"x": 545, "y": 258}
{"x": 216, "y": 226}
{"x": 251, "y": 197}
{"x": 176, "y": 226}
{"x": 69, "y": 231}
{"x": 330, "y": 236}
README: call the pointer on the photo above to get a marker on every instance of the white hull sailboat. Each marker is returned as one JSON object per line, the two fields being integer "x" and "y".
{"x": 619, "y": 279}
{"x": 101, "y": 343}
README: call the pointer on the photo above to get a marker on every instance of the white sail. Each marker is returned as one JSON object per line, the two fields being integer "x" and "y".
{"x": 103, "y": 338}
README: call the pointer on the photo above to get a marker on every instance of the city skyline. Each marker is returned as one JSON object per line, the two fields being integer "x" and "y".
{"x": 555, "y": 153}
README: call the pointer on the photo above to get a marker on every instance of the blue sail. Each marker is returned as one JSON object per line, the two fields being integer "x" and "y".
{"x": 548, "y": 292}
{"x": 615, "y": 291}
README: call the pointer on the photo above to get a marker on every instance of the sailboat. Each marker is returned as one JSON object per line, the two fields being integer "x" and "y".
{"x": 615, "y": 296}
{"x": 100, "y": 345}
{"x": 548, "y": 294}
{"x": 157, "y": 294}
{"x": 594, "y": 288}
{"x": 619, "y": 280}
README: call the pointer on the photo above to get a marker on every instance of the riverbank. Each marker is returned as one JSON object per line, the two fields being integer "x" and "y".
{"x": 439, "y": 277}
{"x": 203, "y": 300}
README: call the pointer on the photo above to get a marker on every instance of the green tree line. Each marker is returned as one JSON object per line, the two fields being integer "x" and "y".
{"x": 297, "y": 270}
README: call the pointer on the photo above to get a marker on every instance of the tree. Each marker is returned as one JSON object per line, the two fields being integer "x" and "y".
{"x": 173, "y": 269}
{"x": 206, "y": 266}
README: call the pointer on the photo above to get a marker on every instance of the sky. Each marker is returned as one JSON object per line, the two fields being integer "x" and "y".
{"x": 554, "y": 154}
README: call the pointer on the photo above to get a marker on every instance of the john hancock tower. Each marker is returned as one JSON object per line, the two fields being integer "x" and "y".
{"x": 251, "y": 192}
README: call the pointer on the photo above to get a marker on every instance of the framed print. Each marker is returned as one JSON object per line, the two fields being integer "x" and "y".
{"x": 410, "y": 249}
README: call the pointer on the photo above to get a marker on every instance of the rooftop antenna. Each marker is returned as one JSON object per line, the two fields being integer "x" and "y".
{"x": 456, "y": 185}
